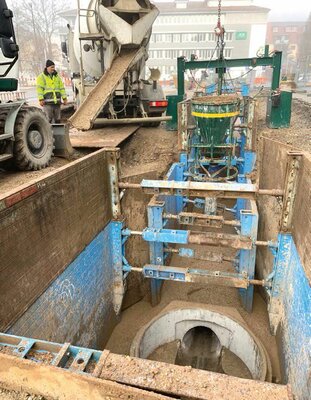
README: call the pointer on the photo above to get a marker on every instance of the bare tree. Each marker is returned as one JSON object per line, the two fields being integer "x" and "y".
{"x": 36, "y": 23}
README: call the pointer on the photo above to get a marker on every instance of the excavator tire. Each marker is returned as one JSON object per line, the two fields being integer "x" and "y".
{"x": 33, "y": 146}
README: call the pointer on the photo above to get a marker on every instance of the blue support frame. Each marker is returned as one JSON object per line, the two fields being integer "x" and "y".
{"x": 155, "y": 222}
{"x": 174, "y": 192}
{"x": 174, "y": 204}
{"x": 61, "y": 354}
{"x": 247, "y": 258}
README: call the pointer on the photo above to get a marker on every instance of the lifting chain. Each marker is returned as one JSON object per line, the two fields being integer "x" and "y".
{"x": 219, "y": 13}
{"x": 219, "y": 30}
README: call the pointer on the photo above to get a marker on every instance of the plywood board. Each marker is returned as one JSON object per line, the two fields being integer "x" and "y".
{"x": 103, "y": 137}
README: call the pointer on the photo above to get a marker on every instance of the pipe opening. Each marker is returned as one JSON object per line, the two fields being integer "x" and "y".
{"x": 200, "y": 348}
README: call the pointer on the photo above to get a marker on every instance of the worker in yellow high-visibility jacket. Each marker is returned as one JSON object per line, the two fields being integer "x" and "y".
{"x": 51, "y": 92}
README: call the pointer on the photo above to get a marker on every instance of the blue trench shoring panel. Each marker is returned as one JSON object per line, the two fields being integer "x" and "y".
{"x": 159, "y": 237}
{"x": 81, "y": 304}
{"x": 290, "y": 314}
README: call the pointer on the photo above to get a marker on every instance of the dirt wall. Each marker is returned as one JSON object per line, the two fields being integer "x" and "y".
{"x": 302, "y": 215}
{"x": 44, "y": 225}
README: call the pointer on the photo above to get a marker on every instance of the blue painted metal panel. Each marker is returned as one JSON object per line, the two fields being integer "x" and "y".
{"x": 78, "y": 306}
{"x": 59, "y": 358}
{"x": 240, "y": 203}
{"x": 249, "y": 162}
{"x": 174, "y": 204}
{"x": 165, "y": 235}
{"x": 247, "y": 258}
{"x": 187, "y": 274}
{"x": 293, "y": 293}
{"x": 155, "y": 222}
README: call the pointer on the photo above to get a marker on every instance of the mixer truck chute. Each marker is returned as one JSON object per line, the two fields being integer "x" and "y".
{"x": 108, "y": 49}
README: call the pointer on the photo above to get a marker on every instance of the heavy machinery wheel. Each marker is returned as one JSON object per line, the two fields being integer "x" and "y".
{"x": 33, "y": 144}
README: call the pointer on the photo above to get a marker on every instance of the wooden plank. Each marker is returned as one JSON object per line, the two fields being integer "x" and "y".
{"x": 42, "y": 233}
{"x": 85, "y": 115}
{"x": 57, "y": 383}
{"x": 103, "y": 137}
{"x": 188, "y": 382}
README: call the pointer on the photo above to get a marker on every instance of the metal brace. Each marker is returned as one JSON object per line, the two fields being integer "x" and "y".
{"x": 113, "y": 158}
{"x": 291, "y": 181}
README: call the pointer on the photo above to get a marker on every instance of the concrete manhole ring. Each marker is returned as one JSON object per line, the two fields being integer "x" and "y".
{"x": 174, "y": 322}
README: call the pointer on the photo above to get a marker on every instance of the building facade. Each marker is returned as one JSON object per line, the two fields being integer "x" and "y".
{"x": 184, "y": 28}
{"x": 287, "y": 37}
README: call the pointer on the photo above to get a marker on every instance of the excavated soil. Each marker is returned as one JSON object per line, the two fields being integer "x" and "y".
{"x": 298, "y": 134}
{"x": 147, "y": 146}
{"x": 13, "y": 395}
{"x": 10, "y": 179}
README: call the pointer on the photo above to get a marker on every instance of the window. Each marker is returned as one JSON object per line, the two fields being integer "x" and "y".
{"x": 228, "y": 36}
{"x": 194, "y": 19}
{"x": 176, "y": 38}
{"x": 211, "y": 36}
{"x": 291, "y": 29}
{"x": 275, "y": 29}
{"x": 228, "y": 53}
{"x": 156, "y": 54}
{"x": 190, "y": 37}
{"x": 162, "y": 38}
{"x": 206, "y": 54}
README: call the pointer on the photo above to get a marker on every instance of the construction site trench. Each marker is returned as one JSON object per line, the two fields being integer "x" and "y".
{"x": 48, "y": 294}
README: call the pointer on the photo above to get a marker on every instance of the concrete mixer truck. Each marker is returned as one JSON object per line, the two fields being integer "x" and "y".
{"x": 107, "y": 52}
{"x": 26, "y": 136}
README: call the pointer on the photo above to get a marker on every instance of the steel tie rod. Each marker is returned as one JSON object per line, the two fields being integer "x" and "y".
{"x": 263, "y": 192}
{"x": 195, "y": 239}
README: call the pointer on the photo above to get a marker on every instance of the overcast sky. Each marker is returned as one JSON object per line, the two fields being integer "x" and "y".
{"x": 281, "y": 9}
{"x": 273, "y": 4}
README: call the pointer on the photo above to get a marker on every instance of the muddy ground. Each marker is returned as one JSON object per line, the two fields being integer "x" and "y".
{"x": 13, "y": 395}
{"x": 298, "y": 134}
